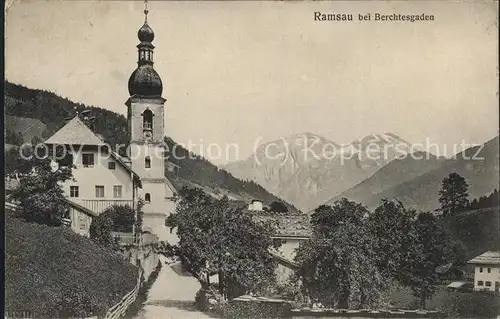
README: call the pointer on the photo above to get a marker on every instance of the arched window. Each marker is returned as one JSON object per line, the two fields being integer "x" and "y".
{"x": 147, "y": 198}
{"x": 147, "y": 162}
{"x": 147, "y": 119}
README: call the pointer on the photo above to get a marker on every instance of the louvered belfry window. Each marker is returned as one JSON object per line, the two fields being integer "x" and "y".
{"x": 147, "y": 120}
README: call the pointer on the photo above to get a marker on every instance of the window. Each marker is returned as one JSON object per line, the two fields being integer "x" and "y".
{"x": 147, "y": 162}
{"x": 147, "y": 119}
{"x": 480, "y": 269}
{"x": 66, "y": 161}
{"x": 74, "y": 191}
{"x": 489, "y": 270}
{"x": 488, "y": 284}
{"x": 88, "y": 160}
{"x": 82, "y": 222}
{"x": 480, "y": 283}
{"x": 99, "y": 191}
{"x": 117, "y": 191}
{"x": 147, "y": 198}
{"x": 111, "y": 165}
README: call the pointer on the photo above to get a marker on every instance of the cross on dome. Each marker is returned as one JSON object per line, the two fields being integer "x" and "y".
{"x": 145, "y": 81}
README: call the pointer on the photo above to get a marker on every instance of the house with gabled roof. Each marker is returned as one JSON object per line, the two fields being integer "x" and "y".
{"x": 290, "y": 231}
{"x": 486, "y": 271}
{"x": 101, "y": 178}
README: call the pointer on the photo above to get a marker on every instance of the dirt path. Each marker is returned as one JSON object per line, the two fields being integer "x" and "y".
{"x": 171, "y": 297}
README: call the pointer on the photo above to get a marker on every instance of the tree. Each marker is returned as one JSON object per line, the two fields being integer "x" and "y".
{"x": 100, "y": 230}
{"x": 389, "y": 225}
{"x": 119, "y": 218}
{"x": 453, "y": 194}
{"x": 495, "y": 198}
{"x": 278, "y": 207}
{"x": 338, "y": 265}
{"x": 427, "y": 247}
{"x": 12, "y": 160}
{"x": 35, "y": 140}
{"x": 40, "y": 194}
{"x": 14, "y": 138}
{"x": 325, "y": 218}
{"x": 215, "y": 238}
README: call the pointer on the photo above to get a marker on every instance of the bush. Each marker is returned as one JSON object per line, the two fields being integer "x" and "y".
{"x": 201, "y": 300}
{"x": 257, "y": 309}
{"x": 40, "y": 194}
{"x": 115, "y": 218}
{"x": 52, "y": 272}
{"x": 471, "y": 305}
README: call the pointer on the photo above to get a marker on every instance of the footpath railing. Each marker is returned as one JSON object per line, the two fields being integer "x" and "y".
{"x": 11, "y": 206}
{"x": 118, "y": 310}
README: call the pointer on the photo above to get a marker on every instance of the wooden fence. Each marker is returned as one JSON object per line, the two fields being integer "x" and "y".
{"x": 10, "y": 206}
{"x": 118, "y": 310}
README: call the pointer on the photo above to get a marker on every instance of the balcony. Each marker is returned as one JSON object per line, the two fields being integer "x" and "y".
{"x": 100, "y": 205}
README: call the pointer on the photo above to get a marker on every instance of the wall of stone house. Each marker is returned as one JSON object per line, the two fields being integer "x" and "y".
{"x": 80, "y": 222}
{"x": 155, "y": 223}
{"x": 283, "y": 274}
{"x": 145, "y": 258}
{"x": 489, "y": 273}
{"x": 288, "y": 248}
{"x": 87, "y": 178}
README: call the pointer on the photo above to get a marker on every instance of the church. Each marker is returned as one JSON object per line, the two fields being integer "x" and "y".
{"x": 101, "y": 177}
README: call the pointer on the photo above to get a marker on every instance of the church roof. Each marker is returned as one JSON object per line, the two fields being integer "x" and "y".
{"x": 75, "y": 132}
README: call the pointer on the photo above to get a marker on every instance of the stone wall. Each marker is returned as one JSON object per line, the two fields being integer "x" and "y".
{"x": 145, "y": 258}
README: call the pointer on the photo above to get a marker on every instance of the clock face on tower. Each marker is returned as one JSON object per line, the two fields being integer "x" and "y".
{"x": 148, "y": 136}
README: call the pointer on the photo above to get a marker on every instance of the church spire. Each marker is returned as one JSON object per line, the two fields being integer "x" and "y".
{"x": 144, "y": 81}
{"x": 146, "y": 36}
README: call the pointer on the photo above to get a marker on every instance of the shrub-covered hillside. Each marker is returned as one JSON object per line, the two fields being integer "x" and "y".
{"x": 51, "y": 272}
{"x": 52, "y": 110}
{"x": 478, "y": 230}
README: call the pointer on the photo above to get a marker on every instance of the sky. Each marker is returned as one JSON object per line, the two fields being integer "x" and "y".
{"x": 243, "y": 72}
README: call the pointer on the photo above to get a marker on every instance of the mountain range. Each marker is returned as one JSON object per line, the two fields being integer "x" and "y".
{"x": 309, "y": 170}
{"x": 416, "y": 182}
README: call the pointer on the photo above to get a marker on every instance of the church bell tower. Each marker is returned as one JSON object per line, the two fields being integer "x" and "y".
{"x": 147, "y": 128}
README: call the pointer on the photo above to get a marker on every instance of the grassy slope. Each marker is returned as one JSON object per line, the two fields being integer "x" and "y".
{"x": 53, "y": 272}
{"x": 478, "y": 230}
{"x": 394, "y": 173}
{"x": 478, "y": 165}
{"x": 481, "y": 172}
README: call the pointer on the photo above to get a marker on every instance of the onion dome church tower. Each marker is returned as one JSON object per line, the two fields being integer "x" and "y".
{"x": 147, "y": 129}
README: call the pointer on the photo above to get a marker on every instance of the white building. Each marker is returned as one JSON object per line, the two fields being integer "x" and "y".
{"x": 102, "y": 178}
{"x": 291, "y": 230}
{"x": 255, "y": 205}
{"x": 486, "y": 271}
